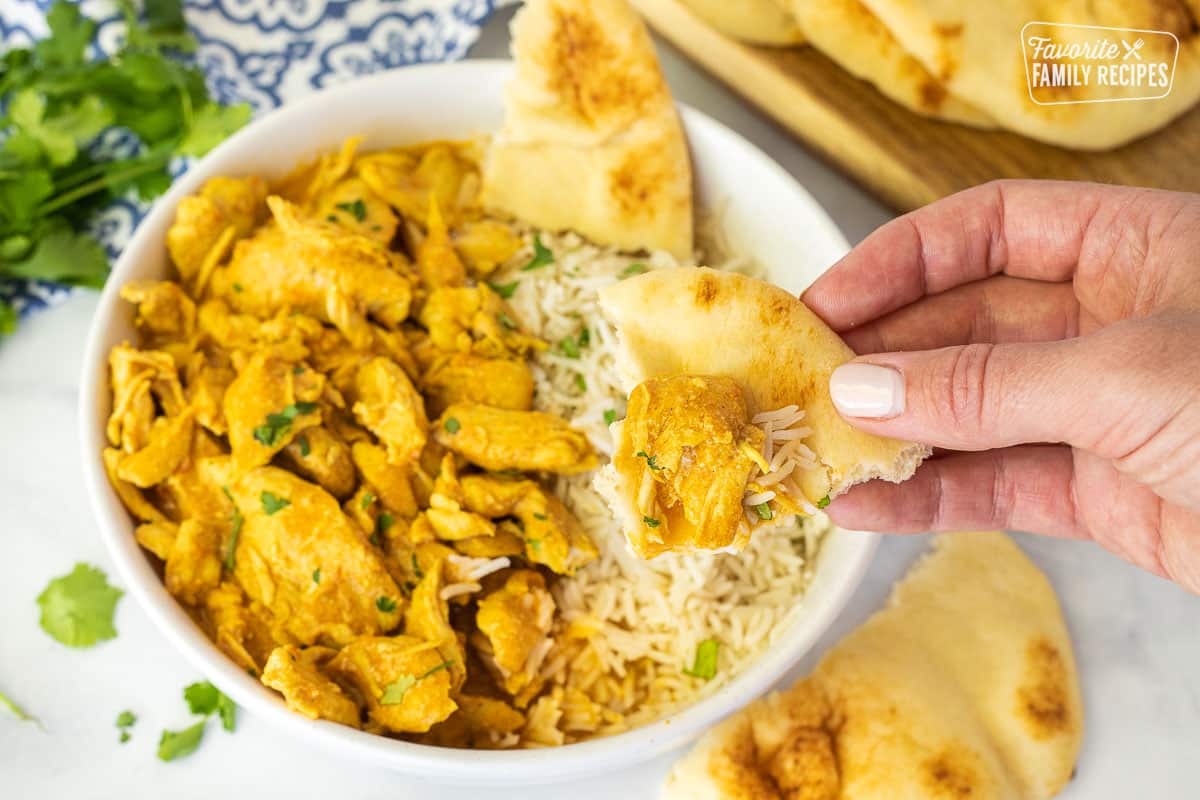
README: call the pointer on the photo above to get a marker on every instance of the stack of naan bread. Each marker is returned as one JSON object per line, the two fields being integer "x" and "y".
{"x": 964, "y": 686}
{"x": 962, "y": 61}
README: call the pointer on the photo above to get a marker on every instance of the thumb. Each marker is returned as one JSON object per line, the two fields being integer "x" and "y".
{"x": 1101, "y": 392}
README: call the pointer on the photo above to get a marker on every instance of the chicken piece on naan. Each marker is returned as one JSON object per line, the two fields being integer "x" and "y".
{"x": 963, "y": 686}
{"x": 683, "y": 454}
{"x": 591, "y": 140}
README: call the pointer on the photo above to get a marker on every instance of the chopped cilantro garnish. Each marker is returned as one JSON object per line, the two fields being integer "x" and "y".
{"x": 543, "y": 517}
{"x": 317, "y": 575}
{"x": 451, "y": 425}
{"x": 650, "y": 460}
{"x": 298, "y": 370}
{"x": 237, "y": 287}
{"x": 705, "y": 664}
{"x": 505, "y": 290}
{"x": 572, "y": 345}
{"x": 385, "y": 604}
{"x": 434, "y": 670}
{"x": 384, "y": 521}
{"x": 610, "y": 416}
{"x": 272, "y": 503}
{"x": 417, "y": 567}
{"x": 277, "y": 425}
{"x": 126, "y": 719}
{"x": 236, "y": 520}
{"x": 764, "y": 511}
{"x": 581, "y": 381}
{"x": 331, "y": 218}
{"x": 651, "y": 522}
{"x": 305, "y": 447}
{"x": 177, "y": 744}
{"x": 636, "y": 268}
{"x": 534, "y": 544}
{"x": 393, "y": 693}
{"x": 505, "y": 320}
{"x": 366, "y": 501}
{"x": 356, "y": 209}
{"x": 542, "y": 255}
{"x": 77, "y": 608}
{"x": 824, "y": 501}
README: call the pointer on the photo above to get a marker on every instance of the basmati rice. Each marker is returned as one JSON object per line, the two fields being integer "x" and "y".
{"x": 627, "y": 628}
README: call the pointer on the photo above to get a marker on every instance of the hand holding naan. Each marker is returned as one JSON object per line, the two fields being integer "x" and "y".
{"x": 1018, "y": 314}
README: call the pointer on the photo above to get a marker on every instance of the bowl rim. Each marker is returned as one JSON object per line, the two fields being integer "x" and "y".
{"x": 449, "y": 765}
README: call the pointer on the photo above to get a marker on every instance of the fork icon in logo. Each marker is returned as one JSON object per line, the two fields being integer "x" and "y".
{"x": 1132, "y": 49}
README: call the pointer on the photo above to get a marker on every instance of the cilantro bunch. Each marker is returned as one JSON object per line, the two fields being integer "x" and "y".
{"x": 55, "y": 103}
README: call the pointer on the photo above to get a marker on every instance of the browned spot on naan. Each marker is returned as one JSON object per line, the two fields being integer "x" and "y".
{"x": 1043, "y": 697}
{"x": 735, "y": 770}
{"x": 706, "y": 291}
{"x": 951, "y": 774}
{"x": 595, "y": 77}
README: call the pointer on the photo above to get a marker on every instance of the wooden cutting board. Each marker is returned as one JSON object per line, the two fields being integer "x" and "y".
{"x": 906, "y": 159}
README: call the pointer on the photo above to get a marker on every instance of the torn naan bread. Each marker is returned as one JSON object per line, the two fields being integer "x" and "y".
{"x": 964, "y": 686}
{"x": 591, "y": 140}
{"x": 974, "y": 51}
{"x": 729, "y": 424}
{"x": 849, "y": 34}
{"x": 767, "y": 22}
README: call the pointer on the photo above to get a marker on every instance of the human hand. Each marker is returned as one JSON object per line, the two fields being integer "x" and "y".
{"x": 1050, "y": 333}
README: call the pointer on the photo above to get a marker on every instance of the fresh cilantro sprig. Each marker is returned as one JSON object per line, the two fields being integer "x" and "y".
{"x": 58, "y": 101}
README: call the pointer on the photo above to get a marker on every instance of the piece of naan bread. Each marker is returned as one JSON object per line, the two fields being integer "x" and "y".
{"x": 699, "y": 321}
{"x": 856, "y": 40}
{"x": 767, "y": 22}
{"x": 974, "y": 50}
{"x": 963, "y": 687}
{"x": 591, "y": 140}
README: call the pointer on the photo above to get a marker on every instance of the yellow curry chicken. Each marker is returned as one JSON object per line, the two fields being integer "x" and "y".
{"x": 325, "y": 434}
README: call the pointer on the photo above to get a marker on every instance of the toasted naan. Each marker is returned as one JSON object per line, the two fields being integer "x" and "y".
{"x": 963, "y": 686}
{"x": 707, "y": 322}
{"x": 849, "y": 34}
{"x": 591, "y": 140}
{"x": 974, "y": 50}
{"x": 767, "y": 22}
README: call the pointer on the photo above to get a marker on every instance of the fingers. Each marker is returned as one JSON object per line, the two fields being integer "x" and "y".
{"x": 999, "y": 309}
{"x": 1026, "y": 229}
{"x": 1023, "y": 488}
{"x": 1125, "y": 393}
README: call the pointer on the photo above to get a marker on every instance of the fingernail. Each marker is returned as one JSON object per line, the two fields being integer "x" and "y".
{"x": 867, "y": 390}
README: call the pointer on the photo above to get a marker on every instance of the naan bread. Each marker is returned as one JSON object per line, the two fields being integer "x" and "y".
{"x": 706, "y": 322}
{"x": 964, "y": 686}
{"x": 849, "y": 34}
{"x": 591, "y": 140}
{"x": 974, "y": 49}
{"x": 755, "y": 21}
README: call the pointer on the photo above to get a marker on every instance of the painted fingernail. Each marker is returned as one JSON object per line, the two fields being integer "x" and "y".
{"x": 867, "y": 390}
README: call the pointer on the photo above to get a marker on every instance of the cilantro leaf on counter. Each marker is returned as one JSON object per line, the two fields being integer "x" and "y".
{"x": 125, "y": 721}
{"x": 58, "y": 99}
{"x": 177, "y": 744}
{"x": 77, "y": 608}
{"x": 14, "y": 710}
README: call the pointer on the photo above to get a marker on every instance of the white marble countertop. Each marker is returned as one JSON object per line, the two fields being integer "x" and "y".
{"x": 1136, "y": 636}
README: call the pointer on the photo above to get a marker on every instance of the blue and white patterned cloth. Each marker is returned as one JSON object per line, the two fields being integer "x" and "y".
{"x": 265, "y": 53}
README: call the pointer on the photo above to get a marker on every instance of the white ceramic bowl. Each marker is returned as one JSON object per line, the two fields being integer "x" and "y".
{"x": 766, "y": 213}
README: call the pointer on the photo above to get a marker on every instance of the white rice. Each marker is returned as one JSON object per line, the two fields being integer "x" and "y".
{"x": 648, "y": 617}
